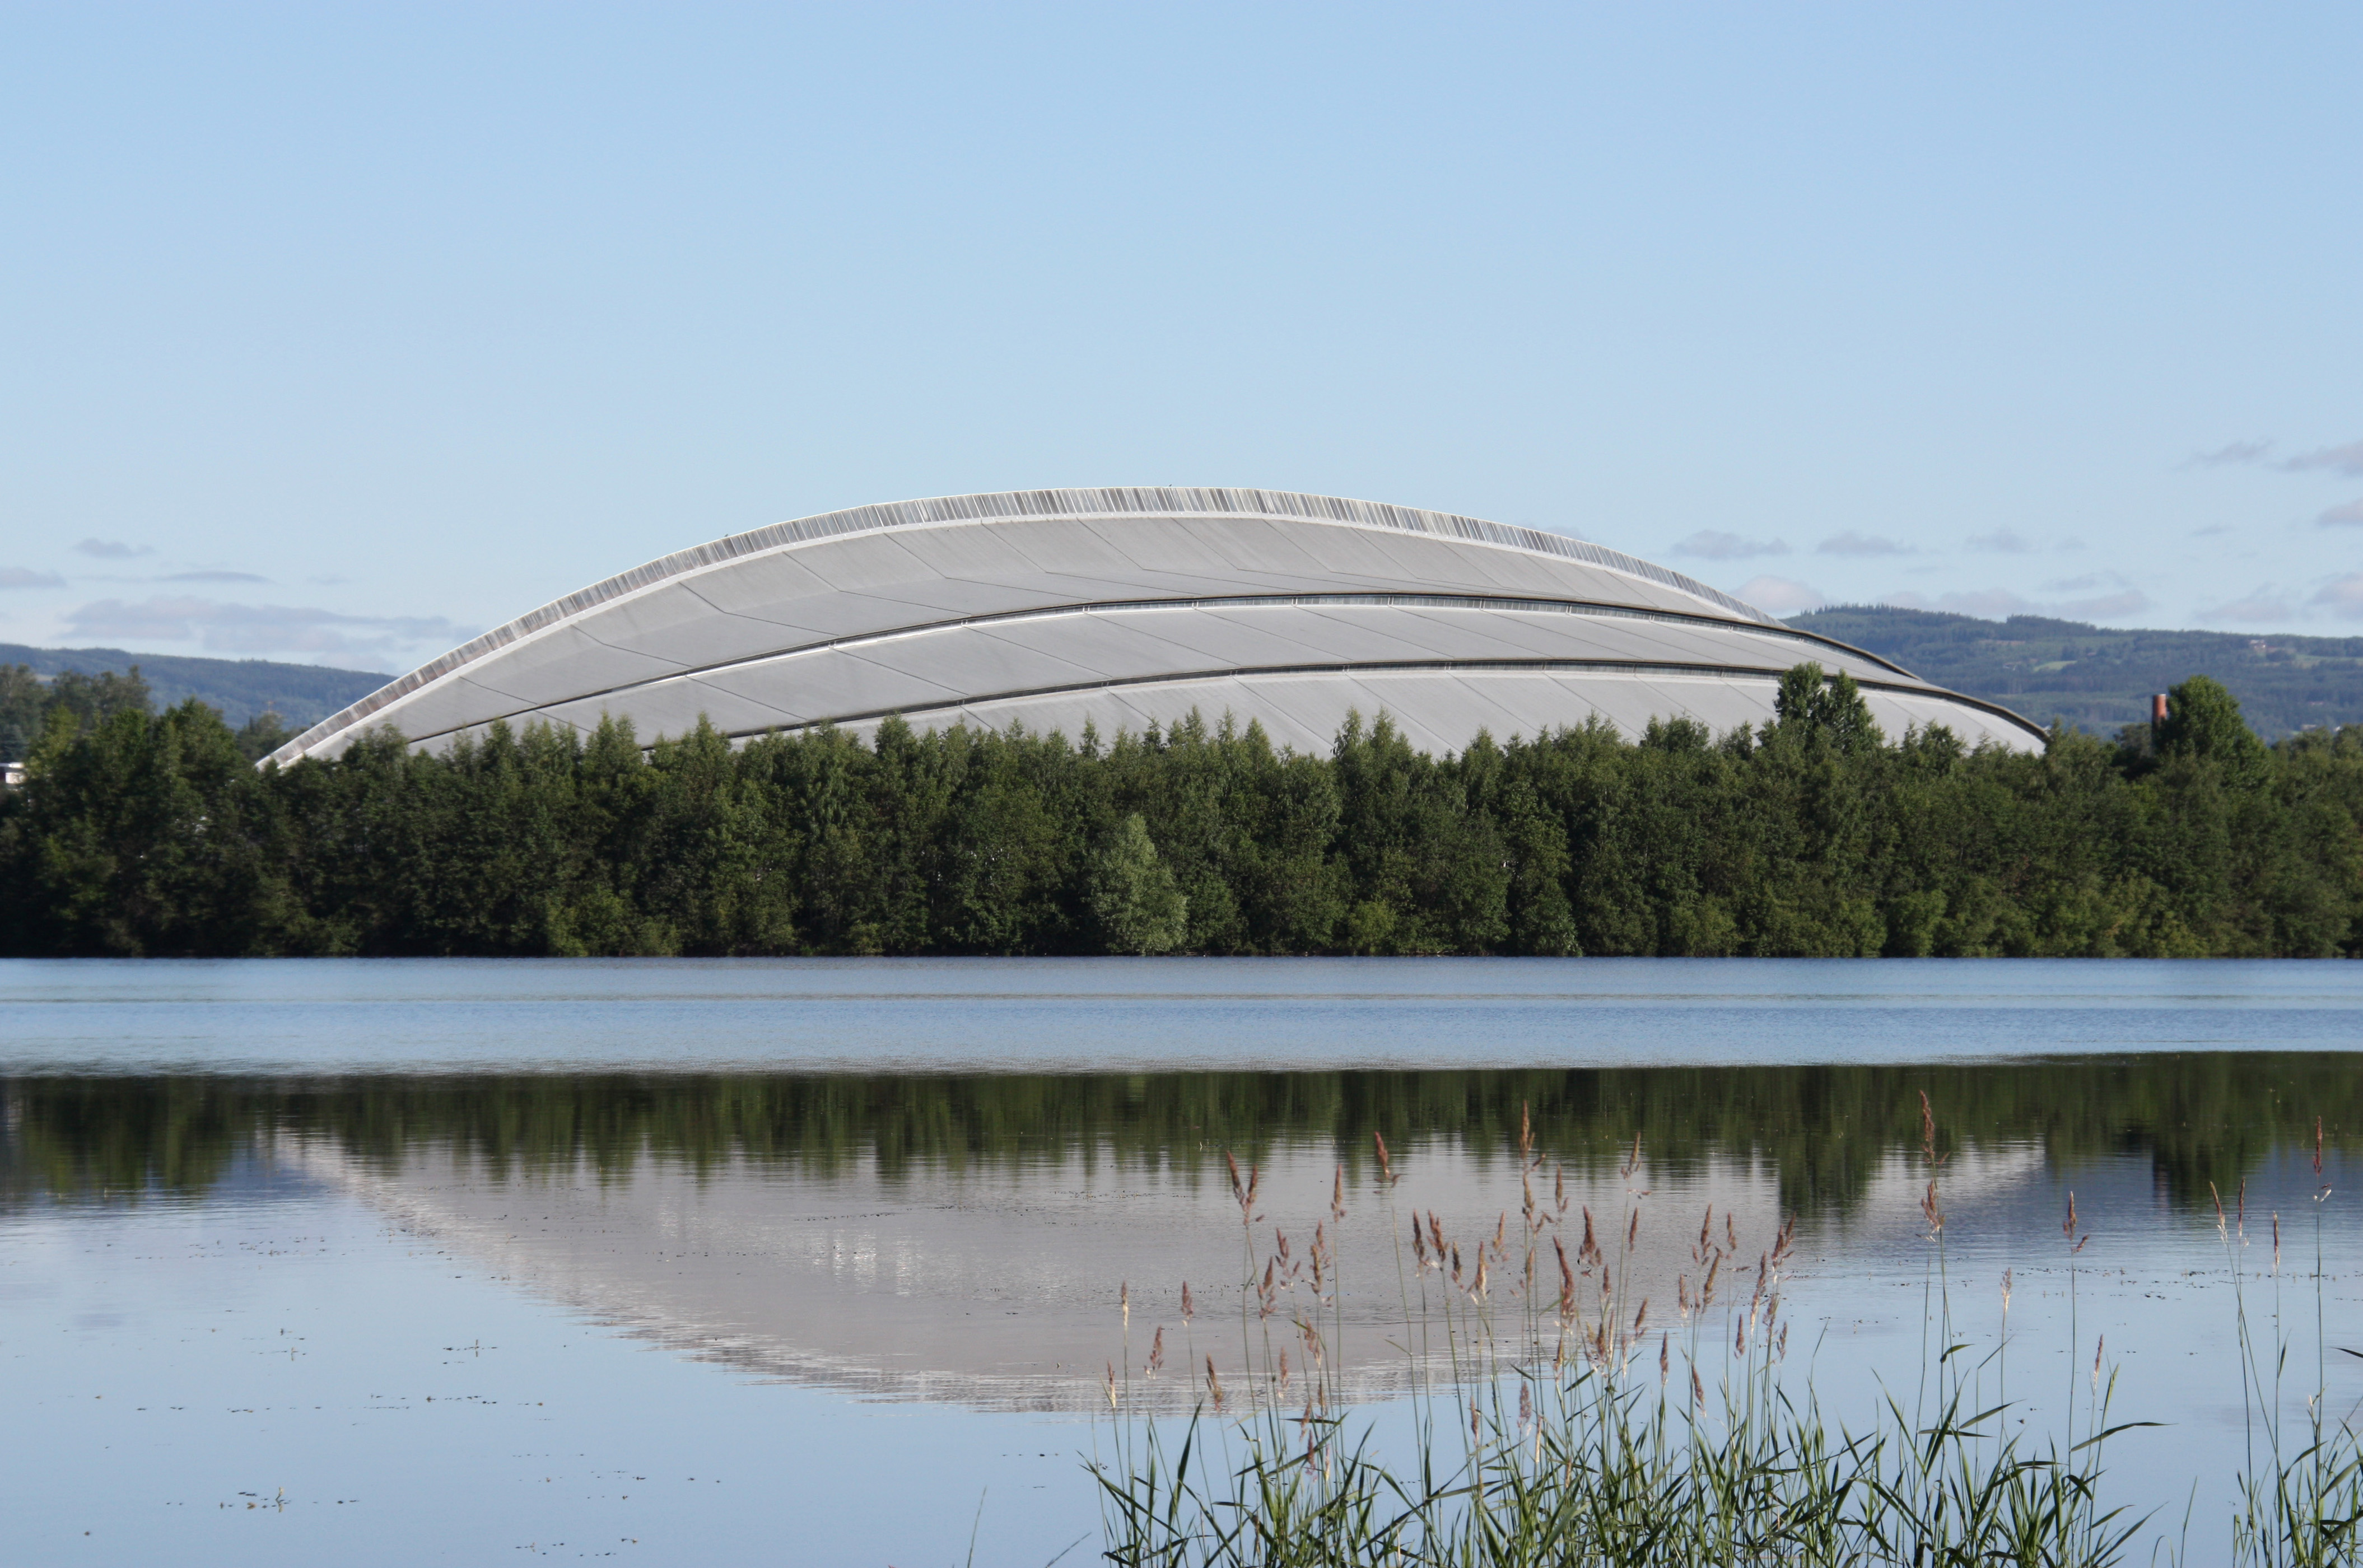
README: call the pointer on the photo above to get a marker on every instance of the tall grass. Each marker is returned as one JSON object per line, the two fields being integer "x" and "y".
{"x": 2301, "y": 1489}
{"x": 1556, "y": 1419}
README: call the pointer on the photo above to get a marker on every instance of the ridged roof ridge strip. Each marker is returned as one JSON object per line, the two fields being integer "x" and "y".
{"x": 992, "y": 505}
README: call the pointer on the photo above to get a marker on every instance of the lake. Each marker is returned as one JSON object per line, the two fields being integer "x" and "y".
{"x": 829, "y": 1261}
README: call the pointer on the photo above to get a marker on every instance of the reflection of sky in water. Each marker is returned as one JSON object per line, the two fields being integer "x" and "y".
{"x": 167, "y": 1364}
{"x": 437, "y": 1341}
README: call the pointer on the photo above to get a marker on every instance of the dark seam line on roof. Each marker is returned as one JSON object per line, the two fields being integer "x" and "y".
{"x": 1080, "y": 505}
{"x": 1441, "y": 667}
{"x": 1228, "y": 601}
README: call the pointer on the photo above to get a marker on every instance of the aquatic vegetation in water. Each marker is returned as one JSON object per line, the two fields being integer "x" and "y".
{"x": 1556, "y": 1421}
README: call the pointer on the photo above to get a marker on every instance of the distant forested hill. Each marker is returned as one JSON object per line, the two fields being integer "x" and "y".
{"x": 2099, "y": 680}
{"x": 302, "y": 694}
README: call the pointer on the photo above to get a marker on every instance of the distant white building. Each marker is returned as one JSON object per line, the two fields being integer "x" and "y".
{"x": 1131, "y": 607}
{"x": 12, "y": 775}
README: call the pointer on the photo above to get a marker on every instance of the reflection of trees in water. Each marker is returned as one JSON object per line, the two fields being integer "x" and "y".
{"x": 2199, "y": 1117}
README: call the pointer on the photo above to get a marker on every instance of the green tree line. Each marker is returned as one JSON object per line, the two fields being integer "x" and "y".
{"x": 2201, "y": 1117}
{"x": 37, "y": 710}
{"x": 1812, "y": 835}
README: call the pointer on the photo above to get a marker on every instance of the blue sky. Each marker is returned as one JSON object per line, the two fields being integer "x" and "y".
{"x": 341, "y": 333}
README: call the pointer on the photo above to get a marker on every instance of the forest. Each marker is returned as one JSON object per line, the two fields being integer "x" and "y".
{"x": 299, "y": 694}
{"x": 1824, "y": 1132}
{"x": 2096, "y": 678}
{"x": 145, "y": 834}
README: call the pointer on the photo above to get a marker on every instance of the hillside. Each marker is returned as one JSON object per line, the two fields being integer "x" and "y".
{"x": 302, "y": 694}
{"x": 2099, "y": 678}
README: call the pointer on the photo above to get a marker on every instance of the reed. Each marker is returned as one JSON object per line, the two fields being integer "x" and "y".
{"x": 2301, "y": 1491}
{"x": 1555, "y": 1419}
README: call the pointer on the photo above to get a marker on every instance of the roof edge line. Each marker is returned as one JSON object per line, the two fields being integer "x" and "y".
{"x": 1673, "y": 669}
{"x": 982, "y": 507}
{"x": 1680, "y": 669}
{"x": 1212, "y": 603}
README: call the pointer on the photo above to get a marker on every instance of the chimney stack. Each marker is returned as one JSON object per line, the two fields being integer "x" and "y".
{"x": 2157, "y": 714}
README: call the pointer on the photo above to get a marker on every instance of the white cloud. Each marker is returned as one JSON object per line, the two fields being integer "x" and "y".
{"x": 257, "y": 628}
{"x": 2266, "y": 603}
{"x": 2231, "y": 452}
{"x": 1781, "y": 595}
{"x": 2349, "y": 515}
{"x": 2210, "y": 531}
{"x": 2001, "y": 541}
{"x": 24, "y": 577}
{"x": 211, "y": 576}
{"x": 2341, "y": 596}
{"x": 2001, "y": 603}
{"x": 112, "y": 550}
{"x": 1853, "y": 544}
{"x": 2108, "y": 607}
{"x": 1716, "y": 546}
{"x": 2347, "y": 459}
{"x": 1988, "y": 603}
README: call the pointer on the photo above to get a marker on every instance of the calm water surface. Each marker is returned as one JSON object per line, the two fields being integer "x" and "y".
{"x": 820, "y": 1261}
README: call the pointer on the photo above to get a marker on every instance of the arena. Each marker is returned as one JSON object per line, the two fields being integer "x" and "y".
{"x": 1127, "y": 608}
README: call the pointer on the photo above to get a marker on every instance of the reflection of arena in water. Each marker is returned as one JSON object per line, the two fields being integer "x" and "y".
{"x": 998, "y": 1289}
{"x": 1124, "y": 607}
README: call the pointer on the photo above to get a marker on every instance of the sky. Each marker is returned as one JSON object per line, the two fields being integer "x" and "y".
{"x": 342, "y": 333}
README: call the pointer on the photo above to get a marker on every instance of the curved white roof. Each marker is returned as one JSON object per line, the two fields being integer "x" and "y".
{"x": 1127, "y": 607}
